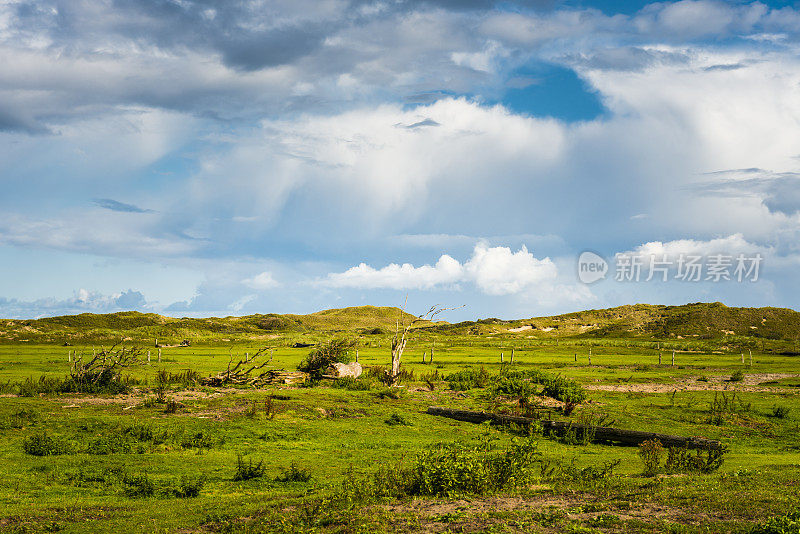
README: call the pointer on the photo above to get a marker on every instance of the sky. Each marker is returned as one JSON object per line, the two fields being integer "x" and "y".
{"x": 203, "y": 158}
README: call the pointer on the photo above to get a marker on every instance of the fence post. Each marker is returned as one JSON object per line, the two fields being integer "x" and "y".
{"x": 673, "y": 357}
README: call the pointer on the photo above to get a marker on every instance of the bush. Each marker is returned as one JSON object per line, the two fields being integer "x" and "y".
{"x": 780, "y": 412}
{"x": 293, "y": 474}
{"x": 469, "y": 379}
{"x": 737, "y": 376}
{"x": 138, "y": 486}
{"x": 563, "y": 389}
{"x": 650, "y": 452}
{"x": 249, "y": 470}
{"x": 190, "y": 487}
{"x": 681, "y": 460}
{"x": 326, "y": 354}
{"x": 514, "y": 387}
{"x": 447, "y": 469}
{"x": 782, "y": 524}
{"x": 452, "y": 469}
{"x": 43, "y": 444}
{"x": 396, "y": 419}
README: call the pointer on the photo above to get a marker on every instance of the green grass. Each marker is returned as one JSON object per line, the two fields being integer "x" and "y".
{"x": 127, "y": 465}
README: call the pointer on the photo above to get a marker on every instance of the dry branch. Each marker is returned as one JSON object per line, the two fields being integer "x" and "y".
{"x": 253, "y": 375}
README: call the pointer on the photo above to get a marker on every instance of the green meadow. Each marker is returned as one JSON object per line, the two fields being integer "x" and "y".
{"x": 353, "y": 455}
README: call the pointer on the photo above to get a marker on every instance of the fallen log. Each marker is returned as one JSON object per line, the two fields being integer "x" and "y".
{"x": 601, "y": 434}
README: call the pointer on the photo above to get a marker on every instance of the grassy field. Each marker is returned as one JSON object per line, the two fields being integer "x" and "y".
{"x": 338, "y": 457}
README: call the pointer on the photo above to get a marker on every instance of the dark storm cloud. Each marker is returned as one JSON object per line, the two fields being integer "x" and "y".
{"x": 10, "y": 122}
{"x": 780, "y": 192}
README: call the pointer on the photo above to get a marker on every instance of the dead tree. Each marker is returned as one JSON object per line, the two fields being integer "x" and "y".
{"x": 242, "y": 375}
{"x": 103, "y": 368}
{"x": 400, "y": 338}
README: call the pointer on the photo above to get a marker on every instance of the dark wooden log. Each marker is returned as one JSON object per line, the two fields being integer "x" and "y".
{"x": 602, "y": 434}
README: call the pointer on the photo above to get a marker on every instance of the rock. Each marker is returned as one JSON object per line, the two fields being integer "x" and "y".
{"x": 341, "y": 370}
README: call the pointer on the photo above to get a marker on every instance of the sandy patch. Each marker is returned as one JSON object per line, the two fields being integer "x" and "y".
{"x": 750, "y": 383}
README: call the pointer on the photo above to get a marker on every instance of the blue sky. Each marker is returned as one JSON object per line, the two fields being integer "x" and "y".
{"x": 215, "y": 158}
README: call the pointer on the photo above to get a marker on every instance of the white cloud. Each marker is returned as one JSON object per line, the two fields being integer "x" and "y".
{"x": 493, "y": 270}
{"x": 261, "y": 281}
{"x": 498, "y": 271}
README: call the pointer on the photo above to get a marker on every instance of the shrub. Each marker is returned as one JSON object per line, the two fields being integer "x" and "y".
{"x": 737, "y": 376}
{"x": 396, "y": 419}
{"x": 447, "y": 469}
{"x": 249, "y": 470}
{"x": 780, "y": 412}
{"x": 43, "y": 444}
{"x": 293, "y": 474}
{"x": 782, "y": 524}
{"x": 171, "y": 406}
{"x": 512, "y": 386}
{"x": 138, "y": 486}
{"x": 468, "y": 379}
{"x": 651, "y": 452}
{"x": 190, "y": 487}
{"x": 563, "y": 389}
{"x": 326, "y": 354}
{"x": 451, "y": 469}
{"x": 681, "y": 460}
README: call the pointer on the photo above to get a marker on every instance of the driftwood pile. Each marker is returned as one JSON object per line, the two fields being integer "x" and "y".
{"x": 253, "y": 375}
{"x": 602, "y": 434}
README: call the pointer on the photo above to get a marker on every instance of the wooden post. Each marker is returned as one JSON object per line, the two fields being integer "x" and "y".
{"x": 69, "y": 356}
{"x": 659, "y": 358}
{"x": 512, "y": 356}
{"x": 430, "y": 360}
{"x": 576, "y": 356}
{"x": 743, "y": 357}
{"x": 246, "y": 357}
{"x": 148, "y": 357}
{"x": 357, "y": 356}
{"x": 159, "y": 355}
{"x": 590, "y": 356}
{"x": 751, "y": 357}
{"x": 673, "y": 357}
{"x": 501, "y": 357}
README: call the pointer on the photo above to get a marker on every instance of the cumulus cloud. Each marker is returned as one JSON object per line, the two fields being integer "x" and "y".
{"x": 261, "y": 281}
{"x": 493, "y": 270}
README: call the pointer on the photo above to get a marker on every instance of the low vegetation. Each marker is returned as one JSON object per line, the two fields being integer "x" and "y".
{"x": 150, "y": 444}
